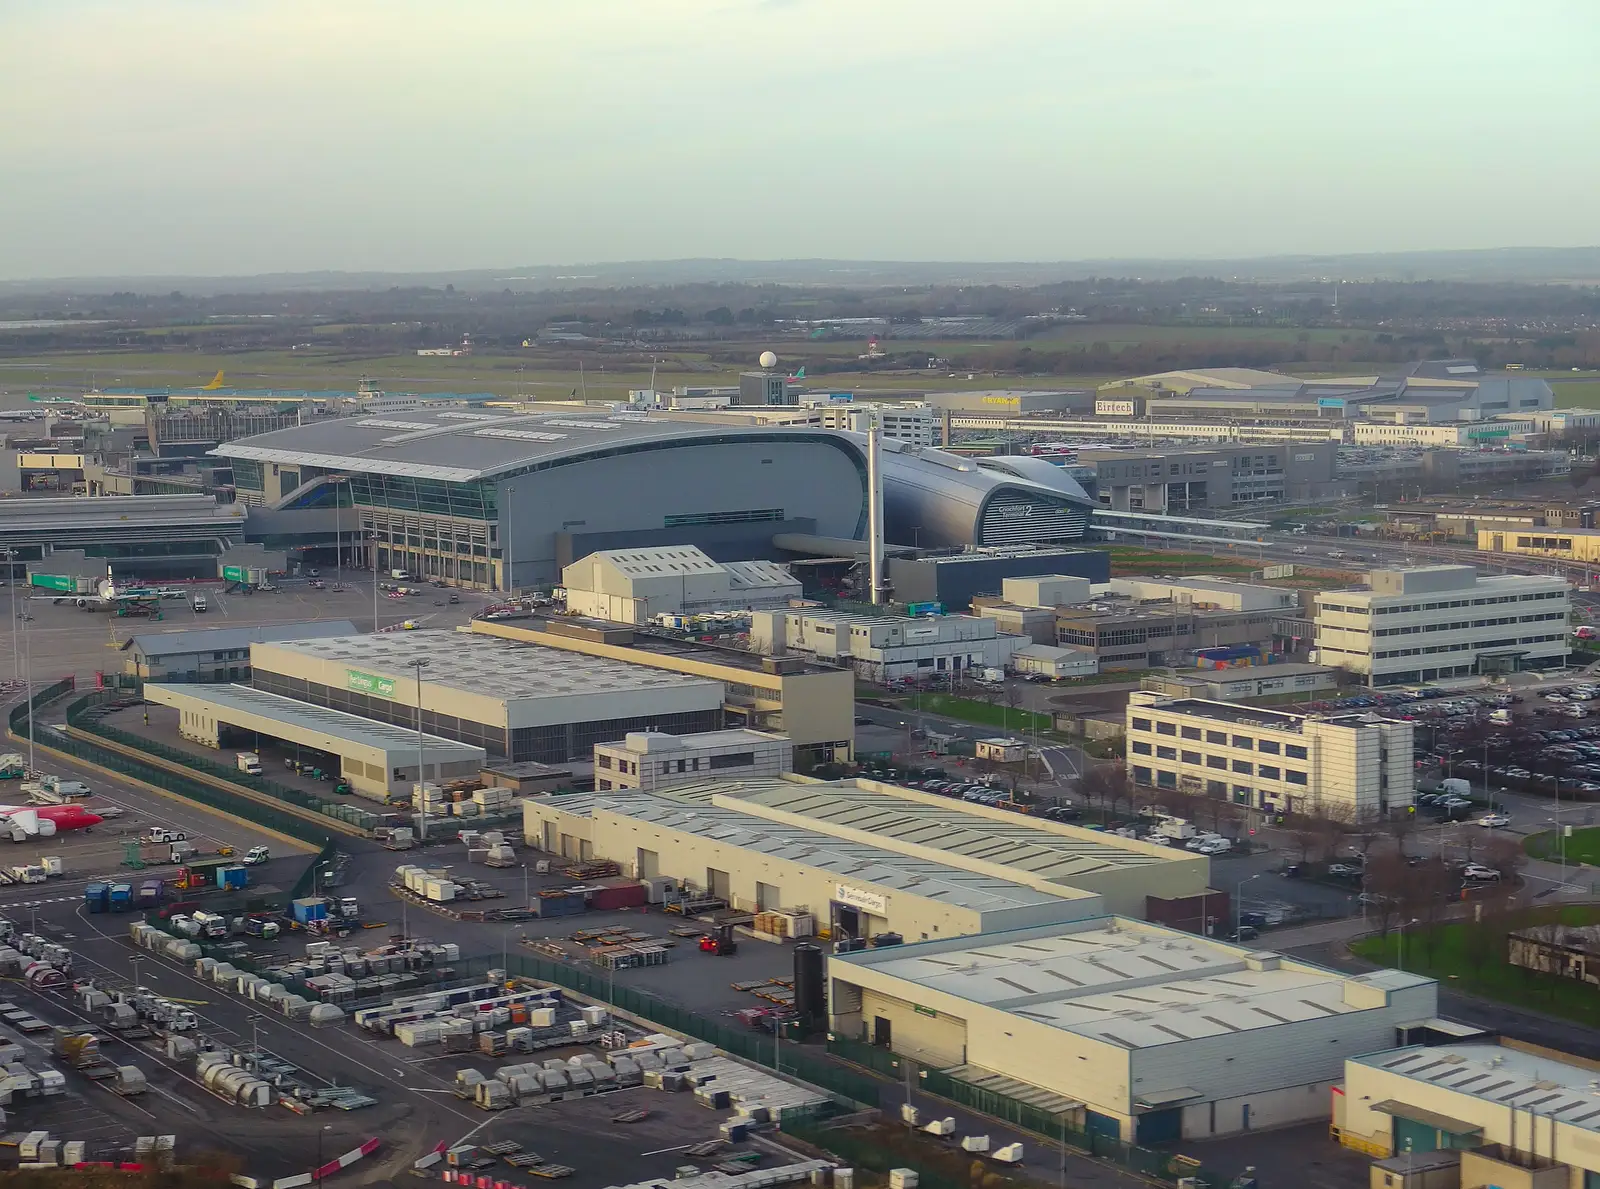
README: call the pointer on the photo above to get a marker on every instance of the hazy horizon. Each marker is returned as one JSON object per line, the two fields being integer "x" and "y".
{"x": 178, "y": 137}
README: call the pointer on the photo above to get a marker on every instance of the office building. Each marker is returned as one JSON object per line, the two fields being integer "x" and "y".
{"x": 650, "y": 760}
{"x": 1458, "y": 434}
{"x": 1347, "y": 767}
{"x": 1126, "y": 1029}
{"x": 1191, "y": 480}
{"x": 1239, "y": 684}
{"x": 1125, "y": 634}
{"x": 766, "y": 389}
{"x": 813, "y": 706}
{"x": 883, "y": 648}
{"x": 1202, "y": 593}
{"x": 643, "y": 585}
{"x": 1436, "y": 622}
{"x": 516, "y": 701}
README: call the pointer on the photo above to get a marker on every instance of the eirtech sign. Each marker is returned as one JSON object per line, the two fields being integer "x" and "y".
{"x": 367, "y": 683}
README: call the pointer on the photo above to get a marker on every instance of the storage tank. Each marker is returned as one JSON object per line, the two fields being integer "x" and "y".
{"x": 810, "y": 990}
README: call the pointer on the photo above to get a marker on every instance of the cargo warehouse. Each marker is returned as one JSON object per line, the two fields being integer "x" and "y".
{"x": 813, "y": 705}
{"x": 515, "y": 701}
{"x": 1127, "y": 1029}
{"x": 378, "y": 759}
{"x": 863, "y": 858}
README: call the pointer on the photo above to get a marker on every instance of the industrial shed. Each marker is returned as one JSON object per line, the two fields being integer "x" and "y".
{"x": 378, "y": 759}
{"x": 1125, "y": 1028}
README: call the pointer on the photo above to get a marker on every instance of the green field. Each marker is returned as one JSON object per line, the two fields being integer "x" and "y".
{"x": 974, "y": 711}
{"x": 1471, "y": 964}
{"x": 1582, "y": 847}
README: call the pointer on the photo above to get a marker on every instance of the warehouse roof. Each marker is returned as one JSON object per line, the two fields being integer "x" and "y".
{"x": 1058, "y": 853}
{"x": 490, "y": 666}
{"x": 336, "y": 724}
{"x": 852, "y": 862}
{"x": 459, "y": 445}
{"x": 1129, "y": 983}
{"x": 218, "y": 639}
{"x": 1540, "y": 1083}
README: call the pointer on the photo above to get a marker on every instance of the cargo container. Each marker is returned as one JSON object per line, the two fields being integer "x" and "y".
{"x": 232, "y": 878}
{"x": 150, "y": 893}
{"x": 614, "y": 894}
{"x": 310, "y": 908}
{"x": 557, "y": 904}
{"x": 97, "y": 897}
{"x": 121, "y": 897}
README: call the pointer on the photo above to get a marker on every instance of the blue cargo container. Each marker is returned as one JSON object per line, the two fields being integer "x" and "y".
{"x": 547, "y": 905}
{"x": 97, "y": 896}
{"x": 310, "y": 908}
{"x": 121, "y": 897}
{"x": 232, "y": 877}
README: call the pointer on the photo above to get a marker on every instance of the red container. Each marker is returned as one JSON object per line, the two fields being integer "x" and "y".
{"x": 614, "y": 894}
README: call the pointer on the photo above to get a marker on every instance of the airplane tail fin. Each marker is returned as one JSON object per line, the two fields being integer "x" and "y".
{"x": 216, "y": 382}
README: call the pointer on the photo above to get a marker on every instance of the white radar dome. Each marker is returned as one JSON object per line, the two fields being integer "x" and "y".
{"x": 769, "y": 359}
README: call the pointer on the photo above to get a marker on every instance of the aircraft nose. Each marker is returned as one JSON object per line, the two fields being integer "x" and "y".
{"x": 92, "y": 819}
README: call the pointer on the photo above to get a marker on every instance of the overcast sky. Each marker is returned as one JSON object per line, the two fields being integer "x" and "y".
{"x": 203, "y": 137}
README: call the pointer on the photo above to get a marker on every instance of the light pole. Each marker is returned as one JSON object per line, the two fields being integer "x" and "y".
{"x": 338, "y": 536}
{"x": 16, "y": 625}
{"x": 27, "y": 686}
{"x": 505, "y": 544}
{"x": 419, "y": 665}
{"x": 372, "y": 538}
{"x": 326, "y": 1127}
{"x": 1238, "y": 892}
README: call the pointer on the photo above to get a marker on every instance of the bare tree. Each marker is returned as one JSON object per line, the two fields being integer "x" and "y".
{"x": 1504, "y": 854}
{"x": 1428, "y": 900}
{"x": 1386, "y": 880}
{"x": 1107, "y": 784}
{"x": 1401, "y": 827}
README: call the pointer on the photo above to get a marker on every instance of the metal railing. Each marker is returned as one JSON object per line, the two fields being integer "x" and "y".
{"x": 1053, "y": 1126}
{"x": 765, "y": 1050}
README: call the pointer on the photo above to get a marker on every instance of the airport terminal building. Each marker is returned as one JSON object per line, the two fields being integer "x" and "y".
{"x": 492, "y": 498}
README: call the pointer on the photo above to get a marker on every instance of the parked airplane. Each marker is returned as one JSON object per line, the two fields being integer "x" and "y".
{"x": 22, "y": 822}
{"x": 216, "y": 383}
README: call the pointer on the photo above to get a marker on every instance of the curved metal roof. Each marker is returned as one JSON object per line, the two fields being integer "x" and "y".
{"x": 460, "y": 446}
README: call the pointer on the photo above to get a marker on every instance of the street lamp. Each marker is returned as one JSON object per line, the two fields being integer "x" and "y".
{"x": 326, "y": 1127}
{"x": 1238, "y": 891}
{"x": 420, "y": 664}
{"x": 505, "y": 543}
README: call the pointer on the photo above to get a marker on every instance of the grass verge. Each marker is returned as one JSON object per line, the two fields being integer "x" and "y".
{"x": 1582, "y": 847}
{"x": 1470, "y": 957}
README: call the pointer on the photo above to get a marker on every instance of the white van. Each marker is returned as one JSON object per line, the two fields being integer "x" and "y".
{"x": 400, "y": 575}
{"x": 198, "y": 602}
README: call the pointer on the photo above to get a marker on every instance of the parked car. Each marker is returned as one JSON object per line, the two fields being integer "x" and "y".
{"x": 1493, "y": 821}
{"x": 1345, "y": 871}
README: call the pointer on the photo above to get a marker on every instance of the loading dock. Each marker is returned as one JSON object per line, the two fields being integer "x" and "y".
{"x": 379, "y": 760}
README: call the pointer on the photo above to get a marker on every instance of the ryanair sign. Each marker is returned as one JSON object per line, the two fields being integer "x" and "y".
{"x": 1010, "y": 402}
